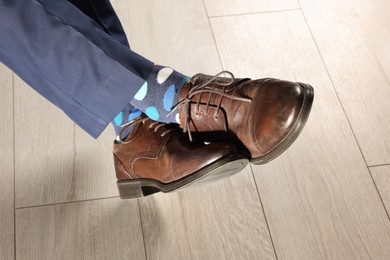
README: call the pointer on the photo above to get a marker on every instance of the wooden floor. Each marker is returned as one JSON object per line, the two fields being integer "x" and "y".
{"x": 327, "y": 197}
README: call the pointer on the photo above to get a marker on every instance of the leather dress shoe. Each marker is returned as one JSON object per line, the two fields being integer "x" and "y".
{"x": 264, "y": 116}
{"x": 158, "y": 157}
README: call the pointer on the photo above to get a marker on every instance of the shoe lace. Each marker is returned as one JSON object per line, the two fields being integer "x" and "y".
{"x": 151, "y": 124}
{"x": 204, "y": 88}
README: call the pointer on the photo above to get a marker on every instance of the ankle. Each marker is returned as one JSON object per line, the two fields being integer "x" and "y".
{"x": 160, "y": 93}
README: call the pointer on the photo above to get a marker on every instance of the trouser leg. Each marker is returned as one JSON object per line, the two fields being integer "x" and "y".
{"x": 102, "y": 12}
{"x": 69, "y": 59}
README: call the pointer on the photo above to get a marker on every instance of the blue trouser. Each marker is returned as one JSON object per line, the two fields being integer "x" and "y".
{"x": 75, "y": 54}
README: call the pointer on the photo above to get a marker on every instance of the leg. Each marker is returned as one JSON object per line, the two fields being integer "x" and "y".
{"x": 158, "y": 94}
{"x": 79, "y": 66}
{"x": 102, "y": 12}
{"x": 84, "y": 71}
{"x": 74, "y": 60}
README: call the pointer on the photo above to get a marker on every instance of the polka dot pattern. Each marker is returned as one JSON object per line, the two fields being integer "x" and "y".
{"x": 168, "y": 98}
{"x": 152, "y": 113}
{"x": 177, "y": 118}
{"x": 163, "y": 75}
{"x": 134, "y": 114}
{"x": 141, "y": 94}
{"x": 118, "y": 119}
{"x": 159, "y": 94}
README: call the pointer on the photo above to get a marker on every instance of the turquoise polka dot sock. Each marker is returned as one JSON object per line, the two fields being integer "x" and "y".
{"x": 128, "y": 114}
{"x": 159, "y": 94}
{"x": 155, "y": 98}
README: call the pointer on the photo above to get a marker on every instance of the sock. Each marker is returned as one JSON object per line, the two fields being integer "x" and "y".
{"x": 155, "y": 98}
{"x": 159, "y": 94}
{"x": 126, "y": 115}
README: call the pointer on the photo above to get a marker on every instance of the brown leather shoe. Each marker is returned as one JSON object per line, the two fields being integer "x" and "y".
{"x": 265, "y": 115}
{"x": 159, "y": 157}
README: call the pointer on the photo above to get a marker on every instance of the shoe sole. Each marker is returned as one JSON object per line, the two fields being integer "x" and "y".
{"x": 287, "y": 142}
{"x": 222, "y": 168}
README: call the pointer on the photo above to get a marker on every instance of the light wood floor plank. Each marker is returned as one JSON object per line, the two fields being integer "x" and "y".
{"x": 230, "y": 226}
{"x": 64, "y": 163}
{"x": 354, "y": 40}
{"x": 234, "y": 7}
{"x": 378, "y": 32}
{"x": 381, "y": 176}
{"x": 164, "y": 227}
{"x": 105, "y": 229}
{"x": 7, "y": 165}
{"x": 222, "y": 220}
{"x": 318, "y": 197}
{"x": 44, "y": 148}
{"x": 172, "y": 33}
{"x": 184, "y": 225}
{"x": 94, "y": 173}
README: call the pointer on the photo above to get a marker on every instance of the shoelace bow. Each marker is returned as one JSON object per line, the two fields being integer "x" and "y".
{"x": 152, "y": 124}
{"x": 204, "y": 88}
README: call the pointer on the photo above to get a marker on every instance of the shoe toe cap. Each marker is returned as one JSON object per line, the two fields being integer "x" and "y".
{"x": 277, "y": 113}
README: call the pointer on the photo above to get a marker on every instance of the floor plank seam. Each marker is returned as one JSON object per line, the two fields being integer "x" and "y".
{"x": 185, "y": 222}
{"x": 265, "y": 216}
{"x": 255, "y": 13}
{"x": 379, "y": 165}
{"x": 65, "y": 203}
{"x": 14, "y": 159}
{"x": 379, "y": 194}
{"x": 72, "y": 188}
{"x": 142, "y": 229}
{"x": 212, "y": 33}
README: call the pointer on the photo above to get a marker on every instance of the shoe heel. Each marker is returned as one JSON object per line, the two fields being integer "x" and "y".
{"x": 130, "y": 190}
